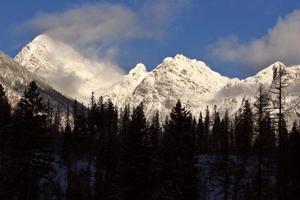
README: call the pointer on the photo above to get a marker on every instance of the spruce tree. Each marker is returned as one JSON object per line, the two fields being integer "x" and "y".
{"x": 262, "y": 105}
{"x": 200, "y": 135}
{"x": 206, "y": 138}
{"x": 294, "y": 163}
{"x": 5, "y": 116}
{"x": 178, "y": 173}
{"x": 278, "y": 84}
{"x": 5, "y": 108}
{"x": 135, "y": 160}
{"x": 216, "y": 132}
{"x": 243, "y": 133}
{"x": 245, "y": 129}
{"x": 223, "y": 161}
{"x": 30, "y": 144}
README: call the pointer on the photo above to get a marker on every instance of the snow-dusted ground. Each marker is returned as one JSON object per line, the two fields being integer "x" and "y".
{"x": 211, "y": 176}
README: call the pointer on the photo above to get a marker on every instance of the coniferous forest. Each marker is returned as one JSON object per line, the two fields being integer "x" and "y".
{"x": 107, "y": 153}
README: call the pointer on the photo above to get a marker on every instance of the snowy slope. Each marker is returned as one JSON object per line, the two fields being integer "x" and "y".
{"x": 65, "y": 69}
{"x": 15, "y": 78}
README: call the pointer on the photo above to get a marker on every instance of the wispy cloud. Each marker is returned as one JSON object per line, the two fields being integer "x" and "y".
{"x": 103, "y": 27}
{"x": 280, "y": 43}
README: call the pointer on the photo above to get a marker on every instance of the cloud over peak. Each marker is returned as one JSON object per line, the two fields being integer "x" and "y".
{"x": 282, "y": 42}
{"x": 106, "y": 25}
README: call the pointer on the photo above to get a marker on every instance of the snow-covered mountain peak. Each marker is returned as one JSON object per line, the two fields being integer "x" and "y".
{"x": 190, "y": 69}
{"x": 183, "y": 64}
{"x": 14, "y": 78}
{"x": 43, "y": 39}
{"x": 138, "y": 70}
{"x": 265, "y": 76}
{"x": 65, "y": 69}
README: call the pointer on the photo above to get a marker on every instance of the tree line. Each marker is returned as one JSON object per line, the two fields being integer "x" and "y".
{"x": 102, "y": 152}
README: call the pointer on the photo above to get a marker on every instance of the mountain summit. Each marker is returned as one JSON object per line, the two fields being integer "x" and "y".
{"x": 65, "y": 69}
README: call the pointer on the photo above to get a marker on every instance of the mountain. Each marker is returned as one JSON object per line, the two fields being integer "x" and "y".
{"x": 197, "y": 86}
{"x": 120, "y": 92}
{"x": 176, "y": 78}
{"x": 14, "y": 78}
{"x": 189, "y": 80}
{"x": 65, "y": 69}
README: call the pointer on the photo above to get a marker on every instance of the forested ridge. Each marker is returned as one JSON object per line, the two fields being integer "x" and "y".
{"x": 104, "y": 152}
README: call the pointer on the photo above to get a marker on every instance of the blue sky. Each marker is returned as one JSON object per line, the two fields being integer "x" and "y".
{"x": 221, "y": 33}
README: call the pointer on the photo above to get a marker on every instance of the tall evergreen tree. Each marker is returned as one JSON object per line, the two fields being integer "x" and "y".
{"x": 216, "y": 132}
{"x": 262, "y": 105}
{"x": 92, "y": 116}
{"x": 206, "y": 138}
{"x": 5, "y": 109}
{"x": 278, "y": 84}
{"x": 179, "y": 175}
{"x": 244, "y": 134}
{"x": 224, "y": 162}
{"x": 5, "y": 116}
{"x": 135, "y": 161}
{"x": 155, "y": 133}
{"x": 200, "y": 135}
{"x": 294, "y": 162}
{"x": 30, "y": 144}
{"x": 245, "y": 130}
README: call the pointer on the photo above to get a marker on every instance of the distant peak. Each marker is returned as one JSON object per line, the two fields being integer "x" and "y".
{"x": 278, "y": 64}
{"x": 41, "y": 37}
{"x": 272, "y": 66}
{"x": 139, "y": 68}
{"x": 180, "y": 57}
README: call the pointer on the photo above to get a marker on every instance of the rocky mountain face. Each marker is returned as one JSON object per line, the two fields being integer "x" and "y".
{"x": 14, "y": 78}
{"x": 189, "y": 80}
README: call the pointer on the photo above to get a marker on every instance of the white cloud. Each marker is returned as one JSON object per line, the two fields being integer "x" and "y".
{"x": 104, "y": 27}
{"x": 282, "y": 42}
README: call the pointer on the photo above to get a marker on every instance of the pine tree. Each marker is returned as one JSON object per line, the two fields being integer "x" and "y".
{"x": 92, "y": 116}
{"x": 243, "y": 133}
{"x": 278, "y": 84}
{"x": 5, "y": 117}
{"x": 262, "y": 106}
{"x": 5, "y": 109}
{"x": 135, "y": 160}
{"x": 200, "y": 135}
{"x": 206, "y": 138}
{"x": 154, "y": 142}
{"x": 155, "y": 133}
{"x": 294, "y": 171}
{"x": 30, "y": 144}
{"x": 223, "y": 161}
{"x": 178, "y": 173}
{"x": 112, "y": 150}
{"x": 216, "y": 132}
{"x": 244, "y": 130}
{"x": 125, "y": 121}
